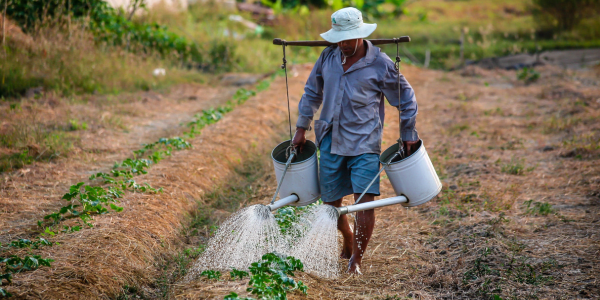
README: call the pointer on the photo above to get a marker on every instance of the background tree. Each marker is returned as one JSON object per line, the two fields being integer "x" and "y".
{"x": 565, "y": 14}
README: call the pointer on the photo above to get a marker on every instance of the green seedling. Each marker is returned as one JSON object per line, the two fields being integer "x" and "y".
{"x": 528, "y": 75}
{"x": 538, "y": 208}
{"x": 271, "y": 279}
{"x": 211, "y": 274}
{"x": 15, "y": 264}
{"x": 86, "y": 200}
{"x": 25, "y": 243}
{"x": 71, "y": 229}
{"x": 234, "y": 296}
{"x": 234, "y": 273}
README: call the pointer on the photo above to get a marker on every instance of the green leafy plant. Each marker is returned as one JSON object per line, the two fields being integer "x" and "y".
{"x": 235, "y": 296}
{"x": 25, "y": 243}
{"x": 287, "y": 216}
{"x": 528, "y": 75}
{"x": 86, "y": 200}
{"x": 234, "y": 273}
{"x": 211, "y": 274}
{"x": 15, "y": 264}
{"x": 169, "y": 143}
{"x": 271, "y": 277}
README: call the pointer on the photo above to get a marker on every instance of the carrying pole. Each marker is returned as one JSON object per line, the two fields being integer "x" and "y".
{"x": 279, "y": 42}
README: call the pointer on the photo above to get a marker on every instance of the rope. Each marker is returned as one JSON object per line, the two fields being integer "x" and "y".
{"x": 287, "y": 91}
{"x": 397, "y": 66}
{"x": 400, "y": 144}
{"x": 290, "y": 151}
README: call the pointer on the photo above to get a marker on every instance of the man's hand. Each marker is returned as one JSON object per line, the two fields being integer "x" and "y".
{"x": 410, "y": 147}
{"x": 299, "y": 139}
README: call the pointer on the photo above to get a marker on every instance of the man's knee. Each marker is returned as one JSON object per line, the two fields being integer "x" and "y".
{"x": 336, "y": 203}
{"x": 366, "y": 198}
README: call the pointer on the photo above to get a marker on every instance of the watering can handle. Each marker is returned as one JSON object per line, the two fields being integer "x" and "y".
{"x": 287, "y": 166}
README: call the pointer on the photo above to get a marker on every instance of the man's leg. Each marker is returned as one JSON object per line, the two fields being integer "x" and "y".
{"x": 344, "y": 226}
{"x": 363, "y": 229}
{"x": 335, "y": 183}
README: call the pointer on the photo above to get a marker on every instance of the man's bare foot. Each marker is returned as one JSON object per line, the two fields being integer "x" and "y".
{"x": 346, "y": 253}
{"x": 354, "y": 267}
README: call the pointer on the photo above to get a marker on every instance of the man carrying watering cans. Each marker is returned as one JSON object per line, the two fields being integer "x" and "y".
{"x": 350, "y": 80}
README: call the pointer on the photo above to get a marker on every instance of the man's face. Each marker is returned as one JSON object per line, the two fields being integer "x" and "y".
{"x": 349, "y": 46}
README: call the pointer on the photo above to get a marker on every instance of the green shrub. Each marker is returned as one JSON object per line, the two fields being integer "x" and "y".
{"x": 30, "y": 13}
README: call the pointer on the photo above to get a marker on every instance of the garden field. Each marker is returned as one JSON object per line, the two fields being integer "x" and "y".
{"x": 517, "y": 216}
{"x": 127, "y": 136}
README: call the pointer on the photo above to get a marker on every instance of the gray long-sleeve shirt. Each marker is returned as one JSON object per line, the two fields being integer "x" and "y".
{"x": 353, "y": 106}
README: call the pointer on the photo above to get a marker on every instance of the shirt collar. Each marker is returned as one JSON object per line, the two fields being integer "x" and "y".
{"x": 372, "y": 53}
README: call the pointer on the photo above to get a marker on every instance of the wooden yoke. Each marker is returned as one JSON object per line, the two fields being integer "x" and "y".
{"x": 402, "y": 39}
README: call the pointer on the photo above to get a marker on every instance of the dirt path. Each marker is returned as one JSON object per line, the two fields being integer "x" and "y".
{"x": 495, "y": 142}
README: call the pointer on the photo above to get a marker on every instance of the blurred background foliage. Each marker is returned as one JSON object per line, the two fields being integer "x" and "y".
{"x": 86, "y": 46}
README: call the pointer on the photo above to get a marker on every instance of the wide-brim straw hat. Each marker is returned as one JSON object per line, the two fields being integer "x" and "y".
{"x": 347, "y": 24}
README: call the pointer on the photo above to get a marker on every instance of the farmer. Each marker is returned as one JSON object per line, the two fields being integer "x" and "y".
{"x": 350, "y": 80}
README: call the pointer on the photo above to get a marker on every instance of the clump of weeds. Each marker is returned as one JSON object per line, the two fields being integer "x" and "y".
{"x": 538, "y": 208}
{"x": 514, "y": 166}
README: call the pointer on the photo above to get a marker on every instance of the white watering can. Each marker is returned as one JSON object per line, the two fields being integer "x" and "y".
{"x": 413, "y": 178}
{"x": 297, "y": 175}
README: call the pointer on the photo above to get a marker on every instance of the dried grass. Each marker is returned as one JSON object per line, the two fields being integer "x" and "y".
{"x": 122, "y": 249}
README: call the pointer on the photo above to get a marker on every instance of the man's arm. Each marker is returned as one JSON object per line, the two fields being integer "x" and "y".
{"x": 404, "y": 99}
{"x": 310, "y": 102}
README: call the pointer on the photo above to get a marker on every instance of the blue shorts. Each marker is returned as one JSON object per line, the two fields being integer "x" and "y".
{"x": 340, "y": 176}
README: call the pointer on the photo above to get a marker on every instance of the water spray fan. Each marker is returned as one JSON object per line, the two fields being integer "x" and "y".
{"x": 413, "y": 177}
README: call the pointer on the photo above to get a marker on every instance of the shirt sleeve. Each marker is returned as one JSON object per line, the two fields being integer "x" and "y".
{"x": 404, "y": 99}
{"x": 313, "y": 95}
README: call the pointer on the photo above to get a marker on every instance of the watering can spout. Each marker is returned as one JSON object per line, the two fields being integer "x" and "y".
{"x": 371, "y": 205}
{"x": 283, "y": 202}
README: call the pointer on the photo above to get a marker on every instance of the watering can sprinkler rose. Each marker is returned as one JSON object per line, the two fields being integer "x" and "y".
{"x": 349, "y": 79}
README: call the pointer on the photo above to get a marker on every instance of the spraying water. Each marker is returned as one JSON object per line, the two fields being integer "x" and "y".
{"x": 316, "y": 244}
{"x": 253, "y": 231}
{"x": 241, "y": 240}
